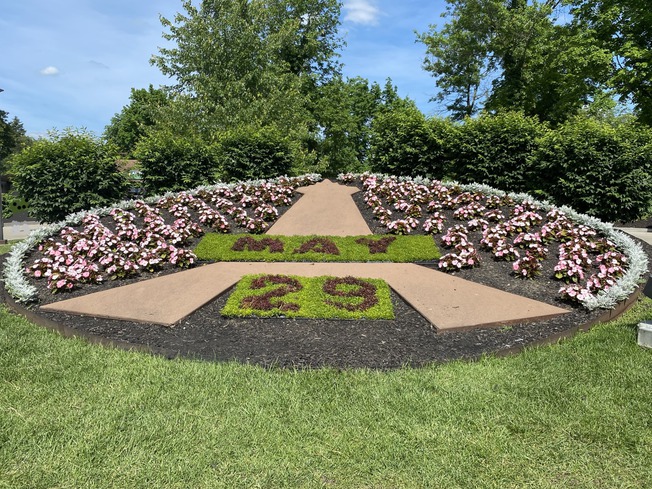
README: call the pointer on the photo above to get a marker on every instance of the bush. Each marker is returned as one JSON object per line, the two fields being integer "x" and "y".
{"x": 247, "y": 154}
{"x": 404, "y": 142}
{"x": 496, "y": 150}
{"x": 172, "y": 163}
{"x": 68, "y": 172}
{"x": 598, "y": 169}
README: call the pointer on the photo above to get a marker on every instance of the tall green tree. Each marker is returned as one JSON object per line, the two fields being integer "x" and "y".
{"x": 515, "y": 55}
{"x": 624, "y": 27}
{"x": 458, "y": 56}
{"x": 132, "y": 122}
{"x": 248, "y": 62}
{"x": 345, "y": 110}
{"x": 13, "y": 138}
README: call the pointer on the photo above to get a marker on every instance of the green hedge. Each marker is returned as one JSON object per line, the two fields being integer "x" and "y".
{"x": 404, "y": 142}
{"x": 496, "y": 150}
{"x": 247, "y": 154}
{"x": 174, "y": 163}
{"x": 598, "y": 169}
{"x": 67, "y": 172}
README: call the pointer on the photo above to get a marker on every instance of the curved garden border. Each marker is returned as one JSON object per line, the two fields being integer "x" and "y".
{"x": 619, "y": 300}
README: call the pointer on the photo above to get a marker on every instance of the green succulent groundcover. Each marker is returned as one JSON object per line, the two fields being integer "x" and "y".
{"x": 386, "y": 248}
{"x": 323, "y": 297}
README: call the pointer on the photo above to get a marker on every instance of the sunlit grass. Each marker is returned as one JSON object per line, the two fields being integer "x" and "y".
{"x": 5, "y": 248}
{"x": 415, "y": 248}
{"x": 570, "y": 415}
{"x": 309, "y": 297}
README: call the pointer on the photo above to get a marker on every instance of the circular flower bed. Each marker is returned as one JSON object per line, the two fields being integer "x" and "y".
{"x": 507, "y": 241}
{"x": 596, "y": 265}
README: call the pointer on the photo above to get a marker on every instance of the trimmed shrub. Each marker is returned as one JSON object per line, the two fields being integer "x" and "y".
{"x": 172, "y": 163}
{"x": 68, "y": 172}
{"x": 248, "y": 154}
{"x": 598, "y": 169}
{"x": 404, "y": 142}
{"x": 496, "y": 150}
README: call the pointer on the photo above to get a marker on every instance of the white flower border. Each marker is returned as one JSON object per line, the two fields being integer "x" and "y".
{"x": 13, "y": 274}
{"x": 604, "y": 299}
{"x": 22, "y": 291}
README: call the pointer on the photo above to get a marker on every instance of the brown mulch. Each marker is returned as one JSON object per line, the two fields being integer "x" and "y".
{"x": 301, "y": 343}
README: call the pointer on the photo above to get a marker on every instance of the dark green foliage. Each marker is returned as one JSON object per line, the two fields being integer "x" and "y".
{"x": 248, "y": 154}
{"x": 68, "y": 172}
{"x": 514, "y": 55}
{"x": 254, "y": 62}
{"x": 173, "y": 163}
{"x": 344, "y": 111}
{"x": 598, "y": 169}
{"x": 12, "y": 138}
{"x": 496, "y": 150}
{"x": 130, "y": 125}
{"x": 404, "y": 142}
{"x": 622, "y": 28}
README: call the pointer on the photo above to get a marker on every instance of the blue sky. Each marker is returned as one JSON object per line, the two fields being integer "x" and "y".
{"x": 72, "y": 63}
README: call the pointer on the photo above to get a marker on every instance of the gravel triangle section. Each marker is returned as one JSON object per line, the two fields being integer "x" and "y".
{"x": 325, "y": 209}
{"x": 448, "y": 303}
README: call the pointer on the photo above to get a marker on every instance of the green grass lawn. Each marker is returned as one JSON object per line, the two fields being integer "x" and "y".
{"x": 5, "y": 248}
{"x": 219, "y": 247}
{"x": 571, "y": 415}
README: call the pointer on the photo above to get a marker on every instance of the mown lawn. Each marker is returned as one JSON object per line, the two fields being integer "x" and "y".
{"x": 571, "y": 415}
{"x": 5, "y": 248}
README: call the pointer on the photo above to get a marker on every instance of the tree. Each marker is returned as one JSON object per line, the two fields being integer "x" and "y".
{"x": 458, "y": 58}
{"x": 624, "y": 28}
{"x": 12, "y": 138}
{"x": 345, "y": 110}
{"x": 534, "y": 61}
{"x": 249, "y": 62}
{"x": 67, "y": 172}
{"x": 132, "y": 123}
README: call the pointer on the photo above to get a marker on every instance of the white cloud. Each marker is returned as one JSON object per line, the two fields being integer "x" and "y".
{"x": 50, "y": 71}
{"x": 361, "y": 12}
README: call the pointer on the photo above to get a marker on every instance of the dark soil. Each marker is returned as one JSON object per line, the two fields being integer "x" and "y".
{"x": 300, "y": 343}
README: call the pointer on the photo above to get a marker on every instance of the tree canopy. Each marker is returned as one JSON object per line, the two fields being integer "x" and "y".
{"x": 12, "y": 137}
{"x": 624, "y": 28}
{"x": 249, "y": 62}
{"x": 131, "y": 124}
{"x": 514, "y": 55}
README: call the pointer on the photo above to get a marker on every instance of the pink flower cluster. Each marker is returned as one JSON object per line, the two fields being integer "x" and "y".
{"x": 126, "y": 243}
{"x": 95, "y": 252}
{"x": 402, "y": 226}
{"x": 587, "y": 262}
{"x": 435, "y": 223}
{"x": 465, "y": 254}
{"x": 528, "y": 266}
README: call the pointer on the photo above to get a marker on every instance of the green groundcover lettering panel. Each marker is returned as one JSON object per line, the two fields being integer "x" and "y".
{"x": 310, "y": 297}
{"x": 385, "y": 248}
